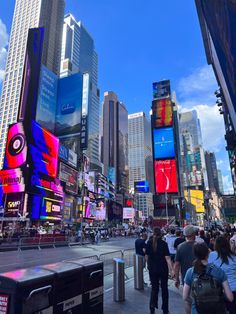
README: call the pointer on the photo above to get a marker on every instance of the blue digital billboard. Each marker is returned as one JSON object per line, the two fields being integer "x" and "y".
{"x": 163, "y": 143}
{"x": 69, "y": 105}
{"x": 141, "y": 186}
{"x": 47, "y": 99}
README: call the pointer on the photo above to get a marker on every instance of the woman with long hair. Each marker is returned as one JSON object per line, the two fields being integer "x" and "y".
{"x": 158, "y": 261}
{"x": 224, "y": 258}
{"x": 196, "y": 280}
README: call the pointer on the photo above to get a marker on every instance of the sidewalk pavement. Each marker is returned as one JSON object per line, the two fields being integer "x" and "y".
{"x": 137, "y": 301}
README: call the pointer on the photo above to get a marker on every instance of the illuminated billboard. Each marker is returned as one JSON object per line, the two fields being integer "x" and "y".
{"x": 128, "y": 213}
{"x": 89, "y": 180}
{"x": 166, "y": 176}
{"x": 197, "y": 199}
{"x": 115, "y": 211}
{"x": 16, "y": 148}
{"x": 11, "y": 181}
{"x": 47, "y": 99}
{"x": 161, "y": 89}
{"x": 69, "y": 105}
{"x": 43, "y": 150}
{"x": 84, "y": 120}
{"x": 70, "y": 177}
{"x": 101, "y": 210}
{"x": 162, "y": 113}
{"x": 141, "y": 187}
{"x": 14, "y": 205}
{"x": 163, "y": 143}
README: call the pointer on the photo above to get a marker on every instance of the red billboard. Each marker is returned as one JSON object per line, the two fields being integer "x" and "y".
{"x": 166, "y": 176}
{"x": 162, "y": 113}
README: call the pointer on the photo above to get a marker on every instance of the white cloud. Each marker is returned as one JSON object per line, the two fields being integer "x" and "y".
{"x": 3, "y": 51}
{"x": 198, "y": 87}
{"x": 196, "y": 92}
{"x": 227, "y": 182}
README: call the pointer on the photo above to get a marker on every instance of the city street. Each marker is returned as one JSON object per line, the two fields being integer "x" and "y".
{"x": 14, "y": 259}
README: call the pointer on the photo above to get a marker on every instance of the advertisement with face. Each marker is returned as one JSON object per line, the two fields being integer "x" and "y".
{"x": 69, "y": 105}
{"x": 161, "y": 89}
{"x": 166, "y": 176}
{"x": 16, "y": 147}
{"x": 89, "y": 180}
{"x": 163, "y": 143}
{"x": 162, "y": 113}
{"x": 101, "y": 210}
{"x": 47, "y": 99}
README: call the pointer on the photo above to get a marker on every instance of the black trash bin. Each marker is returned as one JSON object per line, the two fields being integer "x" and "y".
{"x": 26, "y": 291}
{"x": 92, "y": 281}
{"x": 67, "y": 294}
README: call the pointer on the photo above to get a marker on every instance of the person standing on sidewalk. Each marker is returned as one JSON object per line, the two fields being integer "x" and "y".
{"x": 158, "y": 260}
{"x": 170, "y": 240}
{"x": 184, "y": 259}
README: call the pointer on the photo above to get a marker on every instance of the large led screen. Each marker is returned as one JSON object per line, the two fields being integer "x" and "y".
{"x": 162, "y": 113}
{"x": 141, "y": 186}
{"x": 16, "y": 149}
{"x": 166, "y": 176}
{"x": 161, "y": 89}
{"x": 47, "y": 99}
{"x": 197, "y": 199}
{"x": 43, "y": 149}
{"x": 70, "y": 177}
{"x": 11, "y": 181}
{"x": 69, "y": 105}
{"x": 163, "y": 143}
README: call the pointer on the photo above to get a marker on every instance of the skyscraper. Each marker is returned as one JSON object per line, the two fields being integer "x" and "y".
{"x": 28, "y": 14}
{"x": 78, "y": 55}
{"x": 115, "y": 141}
{"x": 140, "y": 149}
{"x": 140, "y": 159}
{"x": 189, "y": 122}
{"x": 212, "y": 172}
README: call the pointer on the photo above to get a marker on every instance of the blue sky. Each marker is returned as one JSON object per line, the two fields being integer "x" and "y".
{"x": 140, "y": 41}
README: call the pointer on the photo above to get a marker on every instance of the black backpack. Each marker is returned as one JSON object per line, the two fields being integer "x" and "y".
{"x": 207, "y": 293}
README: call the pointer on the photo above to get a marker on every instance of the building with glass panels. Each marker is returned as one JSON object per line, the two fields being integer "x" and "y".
{"x": 115, "y": 141}
{"x": 78, "y": 55}
{"x": 28, "y": 14}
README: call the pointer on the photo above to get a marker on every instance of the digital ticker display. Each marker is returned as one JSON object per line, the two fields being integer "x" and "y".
{"x": 166, "y": 176}
{"x": 162, "y": 113}
{"x": 163, "y": 143}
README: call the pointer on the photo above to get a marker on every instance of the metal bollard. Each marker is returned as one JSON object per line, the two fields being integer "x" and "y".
{"x": 119, "y": 279}
{"x": 138, "y": 272}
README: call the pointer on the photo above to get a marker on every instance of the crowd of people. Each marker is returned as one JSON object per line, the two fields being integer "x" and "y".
{"x": 202, "y": 263}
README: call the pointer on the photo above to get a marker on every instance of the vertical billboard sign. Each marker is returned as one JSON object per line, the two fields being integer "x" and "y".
{"x": 84, "y": 120}
{"x": 68, "y": 116}
{"x": 30, "y": 81}
{"x": 163, "y": 143}
{"x": 47, "y": 99}
{"x": 166, "y": 176}
{"x": 162, "y": 113}
{"x": 161, "y": 89}
{"x": 16, "y": 148}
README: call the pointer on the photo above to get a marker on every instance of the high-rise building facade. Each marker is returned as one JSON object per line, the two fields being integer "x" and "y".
{"x": 78, "y": 55}
{"x": 193, "y": 159}
{"x": 140, "y": 149}
{"x": 220, "y": 180}
{"x": 140, "y": 160}
{"x": 212, "y": 172}
{"x": 28, "y": 14}
{"x": 115, "y": 141}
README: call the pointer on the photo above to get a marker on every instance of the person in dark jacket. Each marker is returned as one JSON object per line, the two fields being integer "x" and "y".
{"x": 158, "y": 261}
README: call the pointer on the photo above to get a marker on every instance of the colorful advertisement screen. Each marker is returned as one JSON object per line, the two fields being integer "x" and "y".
{"x": 14, "y": 205}
{"x": 162, "y": 113}
{"x": 43, "y": 149}
{"x": 47, "y": 99}
{"x": 141, "y": 187}
{"x": 11, "y": 181}
{"x": 128, "y": 213}
{"x": 70, "y": 177}
{"x": 161, "y": 89}
{"x": 101, "y": 210}
{"x": 166, "y": 176}
{"x": 115, "y": 211}
{"x": 69, "y": 106}
{"x": 163, "y": 143}
{"x": 16, "y": 148}
{"x": 197, "y": 199}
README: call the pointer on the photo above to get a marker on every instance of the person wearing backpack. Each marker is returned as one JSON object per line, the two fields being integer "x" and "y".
{"x": 207, "y": 283}
{"x": 224, "y": 258}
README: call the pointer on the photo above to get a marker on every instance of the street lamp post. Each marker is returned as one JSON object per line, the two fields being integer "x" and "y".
{"x": 167, "y": 216}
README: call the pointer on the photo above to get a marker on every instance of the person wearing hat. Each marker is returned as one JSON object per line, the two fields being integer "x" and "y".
{"x": 184, "y": 259}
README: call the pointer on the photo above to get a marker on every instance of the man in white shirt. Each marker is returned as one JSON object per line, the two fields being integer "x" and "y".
{"x": 170, "y": 240}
